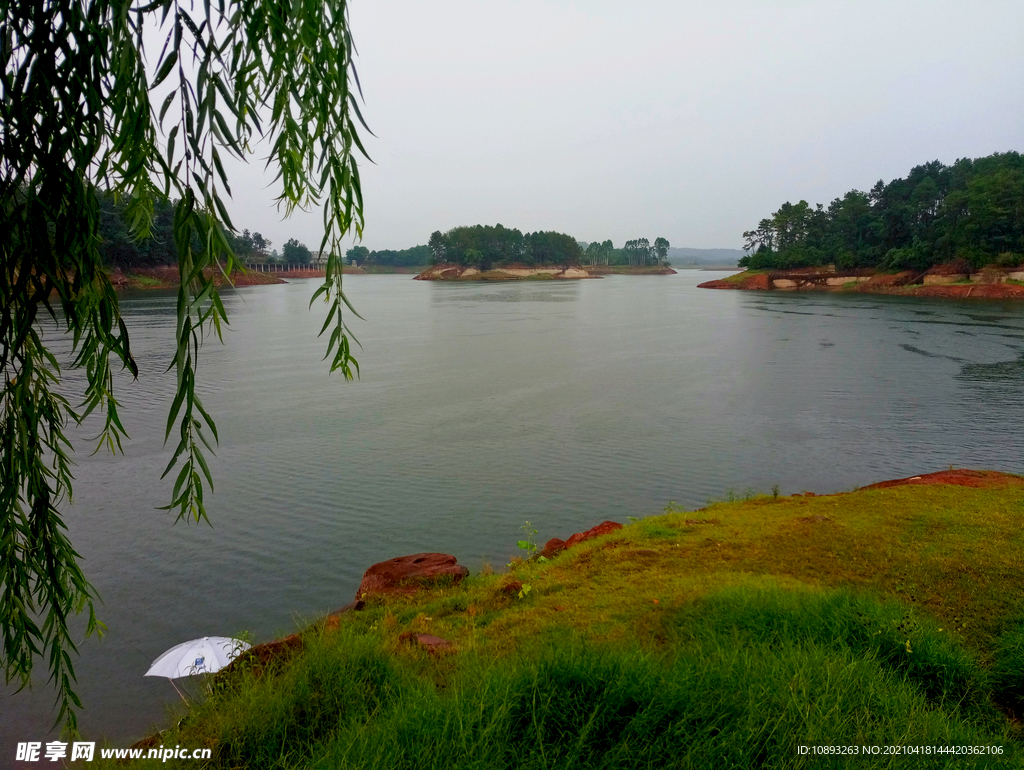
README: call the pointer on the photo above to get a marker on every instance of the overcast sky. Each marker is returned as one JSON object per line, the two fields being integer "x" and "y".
{"x": 690, "y": 121}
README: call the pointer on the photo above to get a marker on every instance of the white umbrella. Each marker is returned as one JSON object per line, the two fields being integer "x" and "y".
{"x": 199, "y": 656}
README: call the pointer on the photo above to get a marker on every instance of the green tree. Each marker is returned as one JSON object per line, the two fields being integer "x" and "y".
{"x": 295, "y": 252}
{"x": 260, "y": 244}
{"x": 78, "y": 123}
{"x": 357, "y": 254}
{"x": 661, "y": 247}
{"x": 437, "y": 246}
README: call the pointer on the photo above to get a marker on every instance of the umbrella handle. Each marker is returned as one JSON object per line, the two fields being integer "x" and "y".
{"x": 179, "y": 692}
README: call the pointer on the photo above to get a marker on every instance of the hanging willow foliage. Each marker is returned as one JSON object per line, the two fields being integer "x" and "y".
{"x": 75, "y": 116}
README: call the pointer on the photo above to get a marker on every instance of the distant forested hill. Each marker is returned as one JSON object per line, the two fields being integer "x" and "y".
{"x": 972, "y": 211}
{"x": 687, "y": 256}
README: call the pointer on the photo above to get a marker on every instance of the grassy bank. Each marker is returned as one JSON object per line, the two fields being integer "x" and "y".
{"x": 725, "y": 637}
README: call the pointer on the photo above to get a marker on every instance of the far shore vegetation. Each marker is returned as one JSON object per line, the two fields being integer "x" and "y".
{"x": 724, "y": 637}
{"x": 971, "y": 212}
{"x": 485, "y": 247}
{"x": 481, "y": 246}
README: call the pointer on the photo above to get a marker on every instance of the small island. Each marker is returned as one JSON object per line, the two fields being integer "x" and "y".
{"x": 513, "y": 272}
{"x": 498, "y": 253}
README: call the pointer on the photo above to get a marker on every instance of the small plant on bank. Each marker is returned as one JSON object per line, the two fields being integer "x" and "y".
{"x": 528, "y": 544}
{"x": 775, "y": 491}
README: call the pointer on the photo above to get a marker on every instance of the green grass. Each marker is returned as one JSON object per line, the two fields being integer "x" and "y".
{"x": 724, "y": 637}
{"x": 743, "y": 275}
{"x": 144, "y": 281}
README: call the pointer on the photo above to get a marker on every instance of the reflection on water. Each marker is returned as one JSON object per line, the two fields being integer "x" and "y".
{"x": 482, "y": 406}
{"x": 506, "y": 291}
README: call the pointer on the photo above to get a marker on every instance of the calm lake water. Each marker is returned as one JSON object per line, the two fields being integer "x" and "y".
{"x": 482, "y": 406}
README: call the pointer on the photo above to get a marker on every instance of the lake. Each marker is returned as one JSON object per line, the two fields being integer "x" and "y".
{"x": 481, "y": 407}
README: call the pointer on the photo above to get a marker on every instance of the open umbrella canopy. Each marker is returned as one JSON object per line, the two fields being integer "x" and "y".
{"x": 199, "y": 656}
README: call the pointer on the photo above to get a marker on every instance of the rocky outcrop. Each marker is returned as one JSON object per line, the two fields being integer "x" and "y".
{"x": 954, "y": 280}
{"x": 757, "y": 281}
{"x": 407, "y": 574}
{"x": 260, "y": 656}
{"x": 961, "y": 477}
{"x": 507, "y": 273}
{"x": 555, "y": 545}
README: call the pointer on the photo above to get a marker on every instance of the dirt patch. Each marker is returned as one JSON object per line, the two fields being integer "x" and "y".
{"x": 975, "y": 291}
{"x": 961, "y": 477}
{"x": 956, "y": 267}
{"x": 891, "y": 279}
{"x": 759, "y": 281}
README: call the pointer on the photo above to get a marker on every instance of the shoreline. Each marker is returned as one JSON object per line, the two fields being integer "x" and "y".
{"x": 517, "y": 272}
{"x": 166, "y": 276}
{"x": 803, "y": 556}
{"x": 939, "y": 282}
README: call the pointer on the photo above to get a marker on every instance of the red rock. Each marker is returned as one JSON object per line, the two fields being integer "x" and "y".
{"x": 553, "y": 546}
{"x": 407, "y": 574}
{"x": 556, "y": 545}
{"x": 260, "y": 656}
{"x": 601, "y": 529}
{"x": 962, "y": 477}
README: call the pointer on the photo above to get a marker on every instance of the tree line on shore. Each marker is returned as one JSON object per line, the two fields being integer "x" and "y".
{"x": 119, "y": 249}
{"x": 638, "y": 251}
{"x": 415, "y": 256}
{"x": 486, "y": 246}
{"x": 481, "y": 246}
{"x": 971, "y": 211}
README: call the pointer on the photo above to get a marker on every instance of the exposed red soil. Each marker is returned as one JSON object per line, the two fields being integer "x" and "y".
{"x": 905, "y": 283}
{"x": 961, "y": 477}
{"x": 902, "y": 278}
{"x": 957, "y": 267}
{"x": 756, "y": 281}
{"x": 974, "y": 291}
